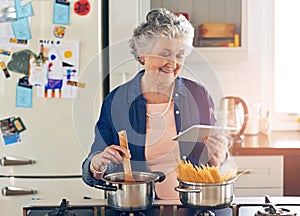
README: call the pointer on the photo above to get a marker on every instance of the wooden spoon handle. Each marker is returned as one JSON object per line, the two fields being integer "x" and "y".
{"x": 126, "y": 162}
{"x": 123, "y": 139}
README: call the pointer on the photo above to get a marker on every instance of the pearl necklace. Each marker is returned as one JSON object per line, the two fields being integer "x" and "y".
{"x": 158, "y": 115}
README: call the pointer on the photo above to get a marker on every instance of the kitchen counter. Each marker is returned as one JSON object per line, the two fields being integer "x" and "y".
{"x": 276, "y": 140}
{"x": 277, "y": 143}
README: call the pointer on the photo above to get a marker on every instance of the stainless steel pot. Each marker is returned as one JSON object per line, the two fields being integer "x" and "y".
{"x": 131, "y": 196}
{"x": 206, "y": 196}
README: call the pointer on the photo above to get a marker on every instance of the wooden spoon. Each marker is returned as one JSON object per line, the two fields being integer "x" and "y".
{"x": 126, "y": 161}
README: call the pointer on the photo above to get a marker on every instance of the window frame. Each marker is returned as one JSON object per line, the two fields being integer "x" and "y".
{"x": 280, "y": 121}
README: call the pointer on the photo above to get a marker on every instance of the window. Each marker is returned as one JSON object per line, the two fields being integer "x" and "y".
{"x": 286, "y": 59}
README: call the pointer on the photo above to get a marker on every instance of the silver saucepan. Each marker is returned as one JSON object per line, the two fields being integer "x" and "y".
{"x": 131, "y": 196}
{"x": 206, "y": 195}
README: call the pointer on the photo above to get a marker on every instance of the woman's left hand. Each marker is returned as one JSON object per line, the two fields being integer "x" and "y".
{"x": 217, "y": 149}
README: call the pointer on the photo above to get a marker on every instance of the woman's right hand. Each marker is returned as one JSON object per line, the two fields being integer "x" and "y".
{"x": 111, "y": 154}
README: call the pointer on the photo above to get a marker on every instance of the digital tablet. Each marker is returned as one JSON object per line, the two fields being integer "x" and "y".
{"x": 197, "y": 133}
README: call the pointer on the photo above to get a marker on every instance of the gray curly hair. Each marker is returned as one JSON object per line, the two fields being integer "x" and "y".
{"x": 160, "y": 23}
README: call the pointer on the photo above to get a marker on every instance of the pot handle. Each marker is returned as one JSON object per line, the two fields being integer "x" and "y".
{"x": 186, "y": 190}
{"x": 161, "y": 176}
{"x": 106, "y": 187}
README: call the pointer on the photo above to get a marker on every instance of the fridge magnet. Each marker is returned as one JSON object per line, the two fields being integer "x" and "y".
{"x": 19, "y": 61}
{"x": 78, "y": 84}
{"x": 82, "y": 7}
{"x": 62, "y": 66}
{"x": 5, "y": 52}
{"x": 24, "y": 81}
{"x": 9, "y": 133}
{"x": 61, "y": 12}
{"x": 4, "y": 69}
{"x": 59, "y": 31}
{"x": 18, "y": 41}
{"x": 18, "y": 125}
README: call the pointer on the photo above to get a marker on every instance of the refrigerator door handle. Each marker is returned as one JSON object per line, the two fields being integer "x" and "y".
{"x": 8, "y": 161}
{"x": 12, "y": 190}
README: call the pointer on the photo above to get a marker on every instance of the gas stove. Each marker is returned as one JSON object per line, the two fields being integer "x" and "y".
{"x": 241, "y": 206}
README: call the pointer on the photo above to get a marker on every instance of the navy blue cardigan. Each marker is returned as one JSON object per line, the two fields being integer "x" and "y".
{"x": 125, "y": 109}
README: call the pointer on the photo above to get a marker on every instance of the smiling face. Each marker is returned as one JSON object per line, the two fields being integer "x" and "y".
{"x": 165, "y": 58}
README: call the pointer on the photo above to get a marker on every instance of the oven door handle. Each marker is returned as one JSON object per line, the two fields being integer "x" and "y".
{"x": 13, "y": 190}
{"x": 11, "y": 161}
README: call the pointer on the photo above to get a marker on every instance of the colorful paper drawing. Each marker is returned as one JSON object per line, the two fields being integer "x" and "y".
{"x": 21, "y": 29}
{"x": 9, "y": 133}
{"x": 61, "y": 65}
{"x": 61, "y": 13}
{"x": 23, "y": 11}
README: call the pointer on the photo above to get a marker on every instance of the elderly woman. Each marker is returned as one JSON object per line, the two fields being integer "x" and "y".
{"x": 154, "y": 107}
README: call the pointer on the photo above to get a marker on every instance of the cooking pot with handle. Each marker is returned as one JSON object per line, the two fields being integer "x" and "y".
{"x": 206, "y": 195}
{"x": 132, "y": 195}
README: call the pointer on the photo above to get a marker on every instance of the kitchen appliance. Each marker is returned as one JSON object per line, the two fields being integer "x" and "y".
{"x": 241, "y": 206}
{"x": 46, "y": 163}
{"x": 133, "y": 195}
{"x": 233, "y": 112}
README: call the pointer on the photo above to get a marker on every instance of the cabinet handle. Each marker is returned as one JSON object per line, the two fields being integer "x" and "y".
{"x": 12, "y": 191}
{"x": 9, "y": 161}
{"x": 244, "y": 172}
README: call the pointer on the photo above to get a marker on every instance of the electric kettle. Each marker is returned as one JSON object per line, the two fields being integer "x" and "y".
{"x": 234, "y": 113}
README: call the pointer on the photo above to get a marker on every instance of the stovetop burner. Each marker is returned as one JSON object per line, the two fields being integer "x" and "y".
{"x": 272, "y": 210}
{"x": 268, "y": 208}
{"x": 269, "y": 211}
{"x": 204, "y": 213}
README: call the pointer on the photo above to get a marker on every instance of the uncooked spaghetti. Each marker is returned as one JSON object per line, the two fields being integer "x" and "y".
{"x": 188, "y": 172}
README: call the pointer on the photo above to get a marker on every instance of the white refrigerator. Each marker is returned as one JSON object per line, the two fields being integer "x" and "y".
{"x": 44, "y": 162}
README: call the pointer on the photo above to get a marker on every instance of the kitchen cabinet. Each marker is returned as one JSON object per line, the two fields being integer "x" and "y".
{"x": 207, "y": 11}
{"x": 264, "y": 176}
{"x": 292, "y": 175}
{"x": 210, "y": 11}
{"x": 285, "y": 144}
